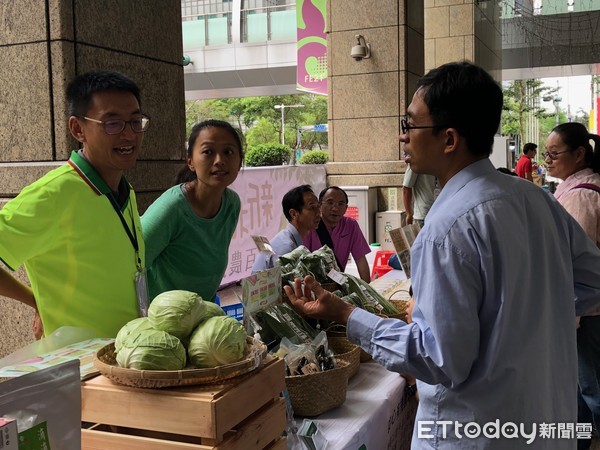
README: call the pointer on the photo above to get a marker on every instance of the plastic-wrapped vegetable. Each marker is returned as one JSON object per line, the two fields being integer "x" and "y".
{"x": 281, "y": 320}
{"x": 300, "y": 271}
{"x": 372, "y": 301}
{"x": 293, "y": 256}
{"x": 328, "y": 257}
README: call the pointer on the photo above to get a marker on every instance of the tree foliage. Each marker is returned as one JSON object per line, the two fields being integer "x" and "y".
{"x": 521, "y": 98}
{"x": 250, "y": 113}
{"x": 263, "y": 132}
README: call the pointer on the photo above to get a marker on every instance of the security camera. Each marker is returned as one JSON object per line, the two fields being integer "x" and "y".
{"x": 358, "y": 52}
{"x": 361, "y": 50}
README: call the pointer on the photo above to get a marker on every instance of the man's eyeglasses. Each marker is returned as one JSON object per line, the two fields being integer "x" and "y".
{"x": 554, "y": 155}
{"x": 138, "y": 125}
{"x": 331, "y": 204}
{"x": 406, "y": 127}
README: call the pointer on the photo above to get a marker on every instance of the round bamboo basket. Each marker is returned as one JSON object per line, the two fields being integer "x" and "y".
{"x": 106, "y": 364}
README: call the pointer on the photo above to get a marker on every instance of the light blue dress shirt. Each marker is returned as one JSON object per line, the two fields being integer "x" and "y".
{"x": 498, "y": 272}
{"x": 283, "y": 242}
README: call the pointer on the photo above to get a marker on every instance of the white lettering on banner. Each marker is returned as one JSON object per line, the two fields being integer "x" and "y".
{"x": 261, "y": 190}
{"x": 508, "y": 430}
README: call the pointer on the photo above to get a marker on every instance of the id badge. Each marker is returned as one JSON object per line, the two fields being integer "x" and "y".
{"x": 141, "y": 291}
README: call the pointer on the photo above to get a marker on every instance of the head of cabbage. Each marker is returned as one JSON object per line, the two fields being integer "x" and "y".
{"x": 217, "y": 341}
{"x": 152, "y": 350}
{"x": 176, "y": 312}
{"x": 131, "y": 328}
{"x": 211, "y": 310}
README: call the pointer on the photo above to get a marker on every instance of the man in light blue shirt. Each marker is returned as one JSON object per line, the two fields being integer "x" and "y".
{"x": 500, "y": 271}
{"x": 301, "y": 209}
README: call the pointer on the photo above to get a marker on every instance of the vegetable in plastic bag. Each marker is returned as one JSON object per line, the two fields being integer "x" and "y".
{"x": 152, "y": 350}
{"x": 131, "y": 328}
{"x": 176, "y": 312}
{"x": 371, "y": 300}
{"x": 293, "y": 256}
{"x": 281, "y": 320}
{"x": 217, "y": 341}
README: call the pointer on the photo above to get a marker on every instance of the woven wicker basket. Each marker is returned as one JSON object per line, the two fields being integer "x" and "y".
{"x": 337, "y": 331}
{"x": 314, "y": 394}
{"x": 401, "y": 306}
{"x": 106, "y": 364}
{"x": 347, "y": 351}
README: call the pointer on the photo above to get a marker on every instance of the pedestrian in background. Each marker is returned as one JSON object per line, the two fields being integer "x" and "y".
{"x": 524, "y": 165}
{"x": 417, "y": 195}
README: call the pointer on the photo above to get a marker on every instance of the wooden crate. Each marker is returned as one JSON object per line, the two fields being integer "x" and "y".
{"x": 244, "y": 413}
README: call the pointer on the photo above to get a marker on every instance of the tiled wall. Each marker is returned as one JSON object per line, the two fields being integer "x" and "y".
{"x": 463, "y": 29}
{"x": 43, "y": 45}
{"x": 366, "y": 98}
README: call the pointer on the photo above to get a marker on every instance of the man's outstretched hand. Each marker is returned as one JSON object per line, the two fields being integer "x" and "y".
{"x": 323, "y": 305}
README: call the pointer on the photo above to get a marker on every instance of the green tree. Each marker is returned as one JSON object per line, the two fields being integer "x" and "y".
{"x": 251, "y": 112}
{"x": 199, "y": 110}
{"x": 263, "y": 132}
{"x": 521, "y": 98}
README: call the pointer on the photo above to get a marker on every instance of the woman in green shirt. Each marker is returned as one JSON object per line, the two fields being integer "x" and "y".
{"x": 188, "y": 229}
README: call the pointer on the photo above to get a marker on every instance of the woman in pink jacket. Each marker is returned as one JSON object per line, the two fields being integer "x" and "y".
{"x": 573, "y": 155}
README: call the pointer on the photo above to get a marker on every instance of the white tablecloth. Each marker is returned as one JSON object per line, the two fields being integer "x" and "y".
{"x": 371, "y": 417}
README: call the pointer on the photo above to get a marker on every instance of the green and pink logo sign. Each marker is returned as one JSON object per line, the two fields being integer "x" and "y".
{"x": 311, "y": 74}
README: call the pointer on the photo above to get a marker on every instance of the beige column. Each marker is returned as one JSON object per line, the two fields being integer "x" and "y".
{"x": 43, "y": 45}
{"x": 463, "y": 29}
{"x": 367, "y": 98}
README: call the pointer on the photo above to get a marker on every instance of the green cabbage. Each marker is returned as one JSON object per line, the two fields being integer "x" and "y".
{"x": 152, "y": 350}
{"x": 211, "y": 310}
{"x": 217, "y": 341}
{"x": 176, "y": 312}
{"x": 131, "y": 328}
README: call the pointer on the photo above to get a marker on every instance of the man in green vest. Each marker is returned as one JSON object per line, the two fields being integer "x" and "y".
{"x": 77, "y": 229}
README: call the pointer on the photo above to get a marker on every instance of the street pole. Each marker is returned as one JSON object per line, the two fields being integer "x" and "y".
{"x": 282, "y": 124}
{"x": 282, "y": 107}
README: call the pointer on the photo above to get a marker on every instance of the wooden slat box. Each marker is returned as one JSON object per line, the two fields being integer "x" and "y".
{"x": 241, "y": 414}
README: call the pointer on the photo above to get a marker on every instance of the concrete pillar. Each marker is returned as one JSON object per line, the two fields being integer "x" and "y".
{"x": 463, "y": 29}
{"x": 43, "y": 45}
{"x": 367, "y": 98}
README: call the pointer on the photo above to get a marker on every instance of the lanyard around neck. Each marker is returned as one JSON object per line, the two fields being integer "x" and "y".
{"x": 132, "y": 237}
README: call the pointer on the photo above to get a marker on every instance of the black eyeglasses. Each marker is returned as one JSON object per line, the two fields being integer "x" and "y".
{"x": 138, "y": 125}
{"x": 554, "y": 155}
{"x": 406, "y": 127}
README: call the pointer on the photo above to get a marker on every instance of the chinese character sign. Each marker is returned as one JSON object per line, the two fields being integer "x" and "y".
{"x": 311, "y": 74}
{"x": 261, "y": 190}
